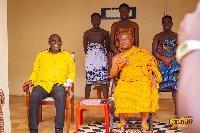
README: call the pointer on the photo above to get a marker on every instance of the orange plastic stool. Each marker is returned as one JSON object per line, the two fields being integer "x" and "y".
{"x": 92, "y": 104}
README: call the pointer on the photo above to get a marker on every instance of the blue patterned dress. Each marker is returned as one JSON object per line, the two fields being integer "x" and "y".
{"x": 170, "y": 74}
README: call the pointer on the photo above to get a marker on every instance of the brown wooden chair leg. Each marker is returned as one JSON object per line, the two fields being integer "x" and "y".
{"x": 27, "y": 105}
{"x": 98, "y": 94}
{"x": 28, "y": 117}
{"x": 99, "y": 89}
{"x": 72, "y": 109}
{"x": 72, "y": 106}
{"x": 40, "y": 113}
{"x": 68, "y": 111}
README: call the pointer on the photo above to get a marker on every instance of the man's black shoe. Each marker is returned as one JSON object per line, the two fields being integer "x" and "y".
{"x": 33, "y": 130}
{"x": 58, "y": 130}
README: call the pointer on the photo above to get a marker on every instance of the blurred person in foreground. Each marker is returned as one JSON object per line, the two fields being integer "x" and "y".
{"x": 188, "y": 53}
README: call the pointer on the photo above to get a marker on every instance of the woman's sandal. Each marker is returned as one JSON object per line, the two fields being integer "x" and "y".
{"x": 122, "y": 129}
{"x": 144, "y": 129}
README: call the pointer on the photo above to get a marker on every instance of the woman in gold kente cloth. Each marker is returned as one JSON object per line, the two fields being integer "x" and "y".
{"x": 137, "y": 88}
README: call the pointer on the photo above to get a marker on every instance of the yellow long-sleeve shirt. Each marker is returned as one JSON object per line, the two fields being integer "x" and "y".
{"x": 50, "y": 69}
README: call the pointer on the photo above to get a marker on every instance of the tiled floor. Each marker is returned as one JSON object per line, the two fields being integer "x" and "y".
{"x": 19, "y": 122}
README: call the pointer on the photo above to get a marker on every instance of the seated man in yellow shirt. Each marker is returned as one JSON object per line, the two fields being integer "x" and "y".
{"x": 53, "y": 70}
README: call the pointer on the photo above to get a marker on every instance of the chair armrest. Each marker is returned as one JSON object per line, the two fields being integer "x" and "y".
{"x": 26, "y": 88}
{"x": 70, "y": 92}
